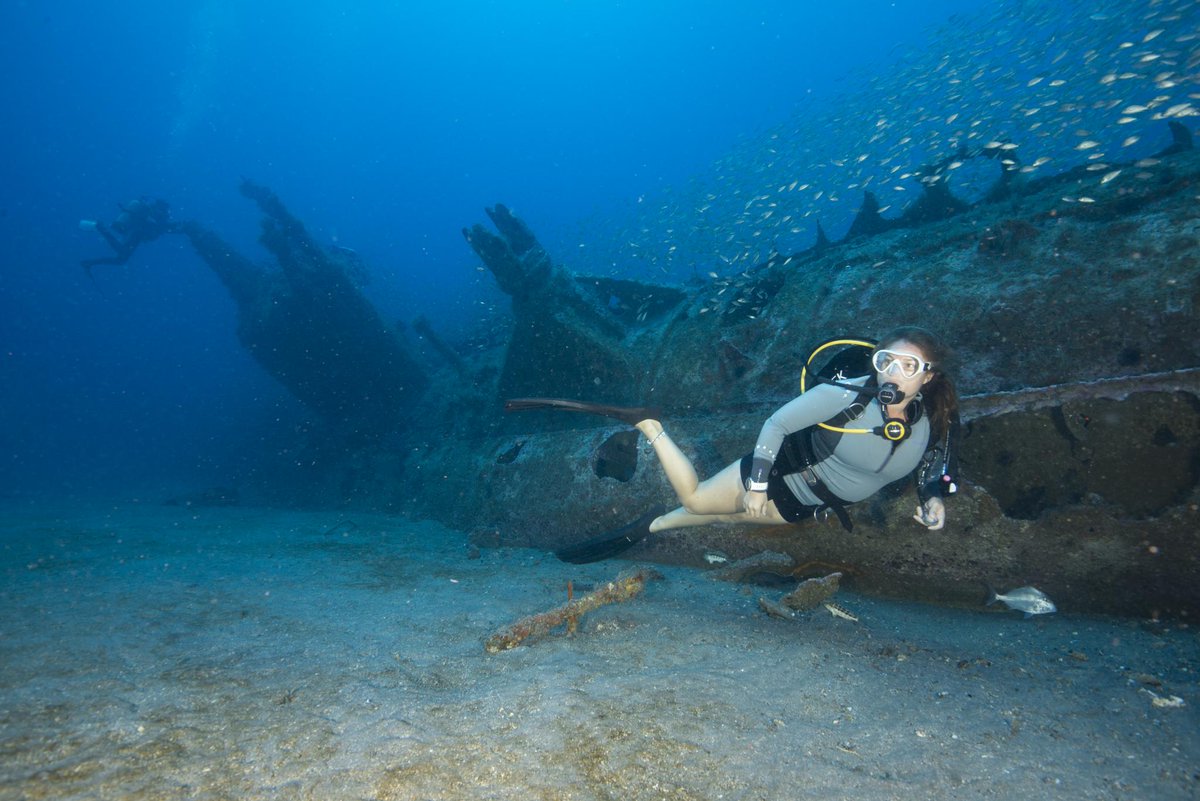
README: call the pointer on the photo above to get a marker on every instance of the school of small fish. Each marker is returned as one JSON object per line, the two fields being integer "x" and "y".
{"x": 1032, "y": 88}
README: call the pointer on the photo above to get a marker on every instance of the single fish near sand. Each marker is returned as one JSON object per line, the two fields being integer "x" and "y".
{"x": 837, "y": 610}
{"x": 714, "y": 557}
{"x": 1029, "y": 600}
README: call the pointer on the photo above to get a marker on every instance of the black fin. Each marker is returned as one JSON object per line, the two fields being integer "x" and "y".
{"x": 610, "y": 543}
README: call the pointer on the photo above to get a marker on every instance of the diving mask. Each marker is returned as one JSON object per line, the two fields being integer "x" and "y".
{"x": 896, "y": 362}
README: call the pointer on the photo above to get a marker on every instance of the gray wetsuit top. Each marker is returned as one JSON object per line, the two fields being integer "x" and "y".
{"x": 859, "y": 465}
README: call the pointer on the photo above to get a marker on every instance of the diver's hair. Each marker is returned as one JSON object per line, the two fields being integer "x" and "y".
{"x": 940, "y": 396}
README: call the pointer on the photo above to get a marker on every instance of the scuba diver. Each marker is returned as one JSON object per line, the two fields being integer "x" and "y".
{"x": 838, "y": 443}
{"x": 142, "y": 220}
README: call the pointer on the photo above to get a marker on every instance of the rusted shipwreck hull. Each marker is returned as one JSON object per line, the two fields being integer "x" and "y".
{"x": 1076, "y": 331}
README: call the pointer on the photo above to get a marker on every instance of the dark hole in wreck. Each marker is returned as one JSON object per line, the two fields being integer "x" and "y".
{"x": 617, "y": 456}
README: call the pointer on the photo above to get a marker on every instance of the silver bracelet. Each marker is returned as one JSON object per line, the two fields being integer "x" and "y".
{"x": 651, "y": 442}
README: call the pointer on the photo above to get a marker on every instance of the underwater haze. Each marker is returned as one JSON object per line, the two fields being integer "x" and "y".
{"x": 162, "y": 636}
{"x": 386, "y": 127}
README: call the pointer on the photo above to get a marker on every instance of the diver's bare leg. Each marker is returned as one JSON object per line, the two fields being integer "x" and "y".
{"x": 678, "y": 467}
{"x": 721, "y": 494}
{"x": 112, "y": 241}
{"x": 682, "y": 518}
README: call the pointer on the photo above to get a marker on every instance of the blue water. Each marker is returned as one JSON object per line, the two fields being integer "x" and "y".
{"x": 386, "y": 127}
{"x": 199, "y": 652}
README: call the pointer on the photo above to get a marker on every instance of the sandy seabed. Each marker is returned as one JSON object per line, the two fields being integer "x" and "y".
{"x": 152, "y": 652}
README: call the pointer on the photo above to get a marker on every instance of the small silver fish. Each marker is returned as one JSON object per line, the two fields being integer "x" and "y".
{"x": 1029, "y": 600}
{"x": 837, "y": 610}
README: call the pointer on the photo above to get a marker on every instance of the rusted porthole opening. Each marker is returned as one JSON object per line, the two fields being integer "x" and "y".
{"x": 617, "y": 457}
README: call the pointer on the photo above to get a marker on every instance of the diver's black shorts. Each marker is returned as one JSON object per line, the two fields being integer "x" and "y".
{"x": 789, "y": 506}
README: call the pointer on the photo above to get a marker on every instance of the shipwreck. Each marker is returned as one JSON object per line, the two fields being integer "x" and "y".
{"x": 1078, "y": 362}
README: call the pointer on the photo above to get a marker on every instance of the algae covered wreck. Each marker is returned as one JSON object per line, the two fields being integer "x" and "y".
{"x": 1074, "y": 325}
{"x": 1075, "y": 330}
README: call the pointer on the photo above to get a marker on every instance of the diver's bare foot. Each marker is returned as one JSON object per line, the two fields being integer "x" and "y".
{"x": 650, "y": 427}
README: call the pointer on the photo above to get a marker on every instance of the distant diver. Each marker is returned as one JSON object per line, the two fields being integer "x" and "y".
{"x": 141, "y": 220}
{"x": 809, "y": 460}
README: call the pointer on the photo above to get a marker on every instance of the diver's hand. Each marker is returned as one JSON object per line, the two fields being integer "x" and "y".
{"x": 755, "y": 503}
{"x": 932, "y": 515}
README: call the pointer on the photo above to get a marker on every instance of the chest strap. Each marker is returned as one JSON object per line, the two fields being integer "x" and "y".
{"x": 798, "y": 456}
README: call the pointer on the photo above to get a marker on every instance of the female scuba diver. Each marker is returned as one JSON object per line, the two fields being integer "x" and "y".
{"x": 837, "y": 443}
